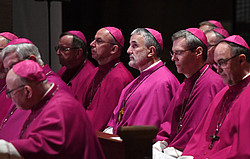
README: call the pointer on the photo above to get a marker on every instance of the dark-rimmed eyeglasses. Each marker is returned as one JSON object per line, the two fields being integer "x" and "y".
{"x": 222, "y": 63}
{"x": 180, "y": 52}
{"x": 8, "y": 92}
{"x": 65, "y": 49}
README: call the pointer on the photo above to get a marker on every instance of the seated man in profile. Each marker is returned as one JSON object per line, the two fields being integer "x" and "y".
{"x": 57, "y": 126}
{"x": 191, "y": 100}
{"x": 224, "y": 130}
{"x": 72, "y": 53}
{"x": 145, "y": 100}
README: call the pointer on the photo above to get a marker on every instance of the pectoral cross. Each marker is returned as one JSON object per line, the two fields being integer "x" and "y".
{"x": 214, "y": 138}
{"x": 121, "y": 112}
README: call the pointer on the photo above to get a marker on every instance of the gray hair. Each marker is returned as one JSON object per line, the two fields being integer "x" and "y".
{"x": 149, "y": 39}
{"x": 238, "y": 49}
{"x": 23, "y": 51}
{"x": 191, "y": 41}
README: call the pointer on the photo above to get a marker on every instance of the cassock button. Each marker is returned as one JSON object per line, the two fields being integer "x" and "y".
{"x": 205, "y": 153}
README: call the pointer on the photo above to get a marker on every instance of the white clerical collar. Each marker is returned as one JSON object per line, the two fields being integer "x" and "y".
{"x": 154, "y": 64}
{"x": 246, "y": 76}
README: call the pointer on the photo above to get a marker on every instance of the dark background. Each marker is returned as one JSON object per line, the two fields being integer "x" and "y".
{"x": 165, "y": 16}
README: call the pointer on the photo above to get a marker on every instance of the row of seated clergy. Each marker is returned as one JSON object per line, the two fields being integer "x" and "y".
{"x": 96, "y": 88}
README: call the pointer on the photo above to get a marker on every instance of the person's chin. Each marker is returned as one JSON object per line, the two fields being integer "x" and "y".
{"x": 179, "y": 70}
{"x": 94, "y": 56}
{"x": 131, "y": 63}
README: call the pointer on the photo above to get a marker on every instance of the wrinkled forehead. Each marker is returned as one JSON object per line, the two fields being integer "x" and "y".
{"x": 103, "y": 34}
{"x": 211, "y": 37}
{"x": 137, "y": 38}
{"x": 66, "y": 40}
{"x": 10, "y": 59}
{"x": 179, "y": 43}
{"x": 222, "y": 51}
{"x": 11, "y": 78}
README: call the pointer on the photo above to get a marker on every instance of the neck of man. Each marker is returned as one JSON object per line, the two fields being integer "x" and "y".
{"x": 76, "y": 64}
{"x": 196, "y": 68}
{"x": 148, "y": 64}
{"x": 107, "y": 60}
{"x": 245, "y": 73}
{"x": 41, "y": 90}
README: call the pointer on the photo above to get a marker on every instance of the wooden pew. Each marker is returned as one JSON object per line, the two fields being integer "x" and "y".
{"x": 136, "y": 142}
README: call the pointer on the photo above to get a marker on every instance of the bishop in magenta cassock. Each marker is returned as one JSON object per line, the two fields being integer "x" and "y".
{"x": 224, "y": 130}
{"x": 57, "y": 126}
{"x": 13, "y": 121}
{"x": 108, "y": 79}
{"x": 144, "y": 100}
{"x": 193, "y": 97}
{"x": 72, "y": 53}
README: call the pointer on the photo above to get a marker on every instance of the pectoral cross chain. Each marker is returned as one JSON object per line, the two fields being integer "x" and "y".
{"x": 214, "y": 138}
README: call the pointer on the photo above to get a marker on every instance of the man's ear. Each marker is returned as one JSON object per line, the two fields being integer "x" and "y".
{"x": 243, "y": 58}
{"x": 79, "y": 52}
{"x": 32, "y": 57}
{"x": 28, "y": 91}
{"x": 114, "y": 49}
{"x": 152, "y": 51}
{"x": 199, "y": 51}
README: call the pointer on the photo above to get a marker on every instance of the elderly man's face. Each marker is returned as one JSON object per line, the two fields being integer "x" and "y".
{"x": 102, "y": 45}
{"x": 138, "y": 52}
{"x": 66, "y": 52}
{"x": 16, "y": 91}
{"x": 183, "y": 57}
{"x": 228, "y": 64}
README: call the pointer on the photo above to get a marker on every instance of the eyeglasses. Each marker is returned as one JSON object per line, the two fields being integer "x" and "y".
{"x": 222, "y": 63}
{"x": 99, "y": 41}
{"x": 8, "y": 92}
{"x": 180, "y": 52}
{"x": 65, "y": 49}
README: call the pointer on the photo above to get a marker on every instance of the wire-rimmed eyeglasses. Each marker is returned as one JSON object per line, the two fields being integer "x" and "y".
{"x": 8, "y": 92}
{"x": 180, "y": 52}
{"x": 65, "y": 49}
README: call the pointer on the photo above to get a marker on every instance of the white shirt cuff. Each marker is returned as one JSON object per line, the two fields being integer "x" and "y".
{"x": 8, "y": 151}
